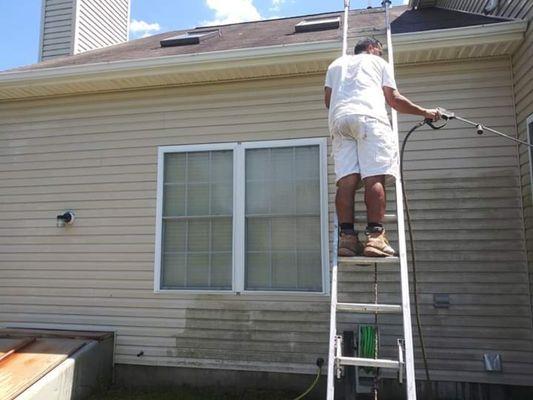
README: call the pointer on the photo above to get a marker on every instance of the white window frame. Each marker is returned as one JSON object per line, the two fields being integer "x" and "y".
{"x": 238, "y": 256}
{"x": 529, "y": 121}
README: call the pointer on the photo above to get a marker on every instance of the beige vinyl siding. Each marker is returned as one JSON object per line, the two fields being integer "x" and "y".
{"x": 101, "y": 23}
{"x": 522, "y": 65}
{"x": 523, "y": 88}
{"x": 96, "y": 154}
{"x": 57, "y": 31}
{"x": 509, "y": 9}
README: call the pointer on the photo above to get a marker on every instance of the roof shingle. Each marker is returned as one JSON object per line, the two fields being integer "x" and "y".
{"x": 275, "y": 32}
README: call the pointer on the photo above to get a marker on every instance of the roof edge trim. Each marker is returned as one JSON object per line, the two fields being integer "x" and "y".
{"x": 50, "y": 82}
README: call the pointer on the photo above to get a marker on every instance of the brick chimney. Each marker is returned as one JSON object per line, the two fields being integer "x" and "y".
{"x": 74, "y": 26}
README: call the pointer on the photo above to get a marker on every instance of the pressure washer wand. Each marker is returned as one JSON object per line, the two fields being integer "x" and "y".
{"x": 448, "y": 115}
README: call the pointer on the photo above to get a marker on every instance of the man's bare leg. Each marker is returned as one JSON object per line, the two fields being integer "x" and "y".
{"x": 344, "y": 200}
{"x": 349, "y": 245}
{"x": 377, "y": 244}
{"x": 375, "y": 199}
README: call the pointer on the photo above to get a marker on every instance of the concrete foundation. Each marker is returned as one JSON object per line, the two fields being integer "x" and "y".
{"x": 135, "y": 376}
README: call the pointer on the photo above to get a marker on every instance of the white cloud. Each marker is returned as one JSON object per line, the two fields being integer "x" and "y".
{"x": 276, "y": 5}
{"x": 143, "y": 28}
{"x": 231, "y": 11}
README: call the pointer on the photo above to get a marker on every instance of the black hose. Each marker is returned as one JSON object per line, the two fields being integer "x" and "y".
{"x": 480, "y": 128}
{"x": 412, "y": 245}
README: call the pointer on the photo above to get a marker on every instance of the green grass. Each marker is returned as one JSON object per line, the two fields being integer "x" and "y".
{"x": 186, "y": 393}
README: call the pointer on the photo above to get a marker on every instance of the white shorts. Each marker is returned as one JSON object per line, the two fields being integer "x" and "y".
{"x": 364, "y": 145}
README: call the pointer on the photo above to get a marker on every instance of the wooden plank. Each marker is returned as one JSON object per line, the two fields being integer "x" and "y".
{"x": 18, "y": 346}
{"x": 25, "y": 367}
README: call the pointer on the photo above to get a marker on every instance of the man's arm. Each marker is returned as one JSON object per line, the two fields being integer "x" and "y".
{"x": 327, "y": 96}
{"x": 404, "y": 105}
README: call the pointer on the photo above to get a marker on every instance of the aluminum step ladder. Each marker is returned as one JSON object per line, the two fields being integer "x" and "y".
{"x": 404, "y": 364}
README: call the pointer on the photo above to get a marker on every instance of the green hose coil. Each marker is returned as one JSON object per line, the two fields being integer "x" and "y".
{"x": 367, "y": 343}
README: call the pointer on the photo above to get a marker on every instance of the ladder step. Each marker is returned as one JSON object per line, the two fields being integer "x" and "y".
{"x": 361, "y": 217}
{"x": 369, "y": 362}
{"x": 368, "y": 260}
{"x": 369, "y": 308}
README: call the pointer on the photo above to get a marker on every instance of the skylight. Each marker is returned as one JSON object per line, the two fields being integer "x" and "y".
{"x": 317, "y": 24}
{"x": 191, "y": 37}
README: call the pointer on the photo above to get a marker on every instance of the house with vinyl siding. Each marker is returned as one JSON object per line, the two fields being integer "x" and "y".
{"x": 203, "y": 191}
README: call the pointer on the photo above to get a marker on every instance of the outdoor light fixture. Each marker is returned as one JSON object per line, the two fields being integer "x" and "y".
{"x": 67, "y": 218}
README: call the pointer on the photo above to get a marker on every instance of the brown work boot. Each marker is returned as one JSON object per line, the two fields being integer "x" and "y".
{"x": 349, "y": 245}
{"x": 377, "y": 244}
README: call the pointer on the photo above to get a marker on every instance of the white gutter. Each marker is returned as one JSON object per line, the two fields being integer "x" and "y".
{"x": 302, "y": 54}
{"x": 470, "y": 35}
{"x": 194, "y": 59}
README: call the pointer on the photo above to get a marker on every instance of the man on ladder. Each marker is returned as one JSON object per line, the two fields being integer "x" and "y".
{"x": 364, "y": 147}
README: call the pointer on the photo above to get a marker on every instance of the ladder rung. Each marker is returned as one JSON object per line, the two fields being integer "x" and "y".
{"x": 369, "y": 308}
{"x": 369, "y": 362}
{"x": 368, "y": 260}
{"x": 359, "y": 217}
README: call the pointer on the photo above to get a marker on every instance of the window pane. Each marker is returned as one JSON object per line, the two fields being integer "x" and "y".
{"x": 198, "y": 167}
{"x": 306, "y": 165}
{"x": 283, "y": 236}
{"x": 173, "y": 274}
{"x": 221, "y": 198}
{"x": 258, "y": 271}
{"x": 174, "y": 238}
{"x": 310, "y": 269}
{"x": 307, "y": 196}
{"x": 198, "y": 199}
{"x": 221, "y": 270}
{"x": 283, "y": 277}
{"x": 282, "y": 197}
{"x": 174, "y": 200}
{"x": 222, "y": 234}
{"x": 197, "y": 237}
{"x": 222, "y": 166}
{"x": 257, "y": 197}
{"x": 198, "y": 270}
{"x": 175, "y": 169}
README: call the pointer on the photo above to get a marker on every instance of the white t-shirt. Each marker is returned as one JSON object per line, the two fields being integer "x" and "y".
{"x": 360, "y": 92}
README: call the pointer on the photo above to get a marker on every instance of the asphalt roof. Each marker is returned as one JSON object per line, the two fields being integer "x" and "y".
{"x": 275, "y": 32}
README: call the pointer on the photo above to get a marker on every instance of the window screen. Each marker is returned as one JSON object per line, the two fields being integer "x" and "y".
{"x": 197, "y": 236}
{"x": 283, "y": 248}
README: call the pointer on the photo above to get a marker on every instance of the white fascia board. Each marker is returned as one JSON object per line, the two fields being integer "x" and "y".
{"x": 253, "y": 57}
{"x": 217, "y": 59}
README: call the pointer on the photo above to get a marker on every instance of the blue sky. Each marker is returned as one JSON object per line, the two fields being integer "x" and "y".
{"x": 20, "y": 19}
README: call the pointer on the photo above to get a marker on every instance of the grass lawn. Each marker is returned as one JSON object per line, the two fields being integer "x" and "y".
{"x": 186, "y": 393}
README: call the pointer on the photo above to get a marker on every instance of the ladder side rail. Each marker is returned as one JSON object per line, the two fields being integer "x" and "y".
{"x": 334, "y": 264}
{"x": 333, "y": 313}
{"x": 404, "y": 271}
{"x": 345, "y": 28}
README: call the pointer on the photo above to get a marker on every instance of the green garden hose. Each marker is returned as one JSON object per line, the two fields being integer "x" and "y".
{"x": 367, "y": 346}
